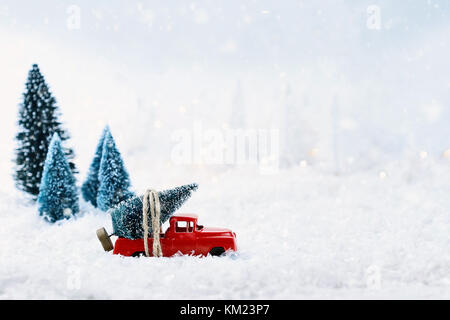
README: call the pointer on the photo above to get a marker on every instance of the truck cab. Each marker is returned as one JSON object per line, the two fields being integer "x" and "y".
{"x": 182, "y": 233}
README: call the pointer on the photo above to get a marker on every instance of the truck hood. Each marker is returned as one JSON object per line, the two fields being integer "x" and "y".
{"x": 217, "y": 231}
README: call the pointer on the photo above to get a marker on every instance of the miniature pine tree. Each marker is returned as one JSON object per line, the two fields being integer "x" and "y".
{"x": 113, "y": 178}
{"x": 58, "y": 198}
{"x": 237, "y": 120}
{"x": 38, "y": 120}
{"x": 127, "y": 216}
{"x": 89, "y": 189}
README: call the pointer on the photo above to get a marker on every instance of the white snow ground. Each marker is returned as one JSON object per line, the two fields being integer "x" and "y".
{"x": 301, "y": 234}
{"x": 379, "y": 229}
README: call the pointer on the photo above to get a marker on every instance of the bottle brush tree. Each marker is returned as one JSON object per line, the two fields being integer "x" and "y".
{"x": 89, "y": 189}
{"x": 113, "y": 178}
{"x": 58, "y": 198}
{"x": 38, "y": 121}
{"x": 127, "y": 216}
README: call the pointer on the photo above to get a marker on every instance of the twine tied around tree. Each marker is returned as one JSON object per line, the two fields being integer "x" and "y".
{"x": 150, "y": 204}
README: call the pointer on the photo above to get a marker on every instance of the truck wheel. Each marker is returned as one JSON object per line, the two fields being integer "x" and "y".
{"x": 217, "y": 251}
{"x": 106, "y": 242}
{"x": 138, "y": 254}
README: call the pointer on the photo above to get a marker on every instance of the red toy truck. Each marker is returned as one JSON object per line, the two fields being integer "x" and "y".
{"x": 183, "y": 236}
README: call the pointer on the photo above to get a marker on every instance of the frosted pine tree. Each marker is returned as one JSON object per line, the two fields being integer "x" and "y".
{"x": 89, "y": 189}
{"x": 127, "y": 216}
{"x": 113, "y": 178}
{"x": 238, "y": 116}
{"x": 38, "y": 121}
{"x": 58, "y": 198}
{"x": 297, "y": 136}
{"x": 335, "y": 121}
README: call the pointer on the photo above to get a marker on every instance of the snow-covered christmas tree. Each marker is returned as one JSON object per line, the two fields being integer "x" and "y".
{"x": 38, "y": 121}
{"x": 58, "y": 197}
{"x": 114, "y": 181}
{"x": 89, "y": 189}
{"x": 127, "y": 216}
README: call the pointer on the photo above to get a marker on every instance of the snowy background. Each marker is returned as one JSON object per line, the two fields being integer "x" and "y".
{"x": 360, "y": 94}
